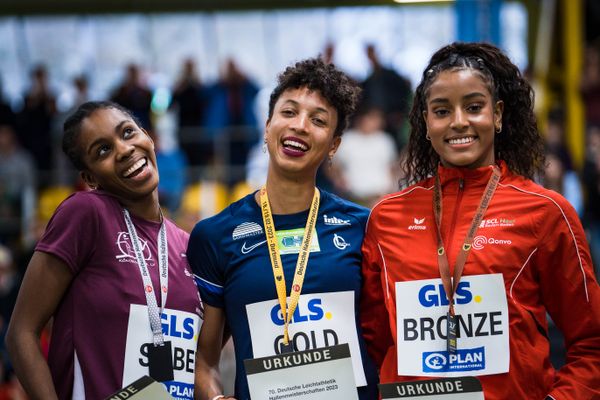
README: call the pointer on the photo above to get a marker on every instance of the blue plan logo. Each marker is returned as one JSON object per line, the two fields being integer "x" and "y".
{"x": 463, "y": 360}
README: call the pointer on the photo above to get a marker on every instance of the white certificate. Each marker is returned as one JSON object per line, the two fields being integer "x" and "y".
{"x": 181, "y": 329}
{"x": 324, "y": 373}
{"x": 320, "y": 320}
{"x": 482, "y": 327}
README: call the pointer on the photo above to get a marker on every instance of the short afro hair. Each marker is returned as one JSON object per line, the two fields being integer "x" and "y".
{"x": 340, "y": 91}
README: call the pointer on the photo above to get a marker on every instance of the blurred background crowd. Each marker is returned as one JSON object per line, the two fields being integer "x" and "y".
{"x": 199, "y": 82}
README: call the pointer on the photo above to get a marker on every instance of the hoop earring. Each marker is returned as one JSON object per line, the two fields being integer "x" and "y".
{"x": 498, "y": 129}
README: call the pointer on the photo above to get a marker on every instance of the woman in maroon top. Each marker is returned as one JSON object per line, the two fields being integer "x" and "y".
{"x": 95, "y": 271}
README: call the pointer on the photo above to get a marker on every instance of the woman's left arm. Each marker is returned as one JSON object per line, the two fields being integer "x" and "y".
{"x": 572, "y": 298}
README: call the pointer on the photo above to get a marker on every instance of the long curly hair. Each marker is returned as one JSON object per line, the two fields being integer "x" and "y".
{"x": 519, "y": 144}
{"x": 341, "y": 91}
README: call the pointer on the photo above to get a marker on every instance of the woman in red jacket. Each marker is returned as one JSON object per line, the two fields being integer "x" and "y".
{"x": 462, "y": 267}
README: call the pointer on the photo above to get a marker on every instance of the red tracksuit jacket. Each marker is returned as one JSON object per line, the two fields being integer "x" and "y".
{"x": 531, "y": 236}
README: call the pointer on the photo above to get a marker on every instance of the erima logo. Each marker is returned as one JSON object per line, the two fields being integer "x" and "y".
{"x": 335, "y": 221}
{"x": 480, "y": 241}
{"x": 418, "y": 225}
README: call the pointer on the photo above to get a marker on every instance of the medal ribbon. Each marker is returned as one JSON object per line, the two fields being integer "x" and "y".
{"x": 275, "y": 257}
{"x": 451, "y": 283}
{"x": 163, "y": 264}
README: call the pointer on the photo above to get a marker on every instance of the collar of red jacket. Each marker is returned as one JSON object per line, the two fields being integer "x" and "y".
{"x": 472, "y": 177}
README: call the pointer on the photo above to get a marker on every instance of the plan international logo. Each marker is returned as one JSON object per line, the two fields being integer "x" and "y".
{"x": 463, "y": 360}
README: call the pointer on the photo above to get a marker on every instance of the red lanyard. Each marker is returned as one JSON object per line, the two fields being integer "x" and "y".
{"x": 451, "y": 283}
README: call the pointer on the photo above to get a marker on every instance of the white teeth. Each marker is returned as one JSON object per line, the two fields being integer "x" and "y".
{"x": 134, "y": 167}
{"x": 293, "y": 143}
{"x": 464, "y": 140}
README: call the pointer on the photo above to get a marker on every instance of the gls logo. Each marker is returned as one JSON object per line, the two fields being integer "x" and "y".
{"x": 177, "y": 327}
{"x": 314, "y": 312}
{"x": 433, "y": 296}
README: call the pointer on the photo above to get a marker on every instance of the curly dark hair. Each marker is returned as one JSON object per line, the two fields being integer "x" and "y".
{"x": 519, "y": 144}
{"x": 340, "y": 91}
{"x": 72, "y": 128}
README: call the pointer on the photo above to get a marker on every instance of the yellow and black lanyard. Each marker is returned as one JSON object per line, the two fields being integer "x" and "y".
{"x": 301, "y": 265}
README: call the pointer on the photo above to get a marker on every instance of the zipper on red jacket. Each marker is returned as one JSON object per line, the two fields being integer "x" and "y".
{"x": 461, "y": 186}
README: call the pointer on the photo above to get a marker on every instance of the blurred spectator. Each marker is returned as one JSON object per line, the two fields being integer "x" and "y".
{"x": 82, "y": 90}
{"x": 555, "y": 138}
{"x": 231, "y": 120}
{"x": 563, "y": 180}
{"x": 232, "y": 97}
{"x": 172, "y": 164}
{"x": 78, "y": 93}
{"x": 257, "y": 166}
{"x": 10, "y": 281}
{"x": 385, "y": 89}
{"x": 327, "y": 55}
{"x": 590, "y": 83}
{"x": 367, "y": 159}
{"x": 189, "y": 101}
{"x": 135, "y": 95}
{"x": 35, "y": 121}
{"x": 591, "y": 182}
{"x": 17, "y": 184}
{"x": 7, "y": 115}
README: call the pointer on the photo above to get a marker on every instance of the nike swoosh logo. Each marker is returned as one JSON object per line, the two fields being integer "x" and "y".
{"x": 246, "y": 250}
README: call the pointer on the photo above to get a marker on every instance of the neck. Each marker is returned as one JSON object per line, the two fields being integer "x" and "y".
{"x": 289, "y": 197}
{"x": 147, "y": 207}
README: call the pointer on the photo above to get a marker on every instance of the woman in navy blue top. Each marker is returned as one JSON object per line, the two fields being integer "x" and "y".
{"x": 229, "y": 253}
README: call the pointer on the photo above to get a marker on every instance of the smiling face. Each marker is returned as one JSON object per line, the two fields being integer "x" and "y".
{"x": 118, "y": 155}
{"x": 462, "y": 118}
{"x": 300, "y": 133}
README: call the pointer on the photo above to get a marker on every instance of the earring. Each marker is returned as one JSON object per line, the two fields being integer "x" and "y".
{"x": 264, "y": 146}
{"x": 499, "y": 129}
{"x": 93, "y": 187}
{"x": 330, "y": 161}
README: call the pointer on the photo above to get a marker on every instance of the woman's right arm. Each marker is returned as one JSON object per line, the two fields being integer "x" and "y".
{"x": 208, "y": 377}
{"x": 373, "y": 312}
{"x": 46, "y": 280}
